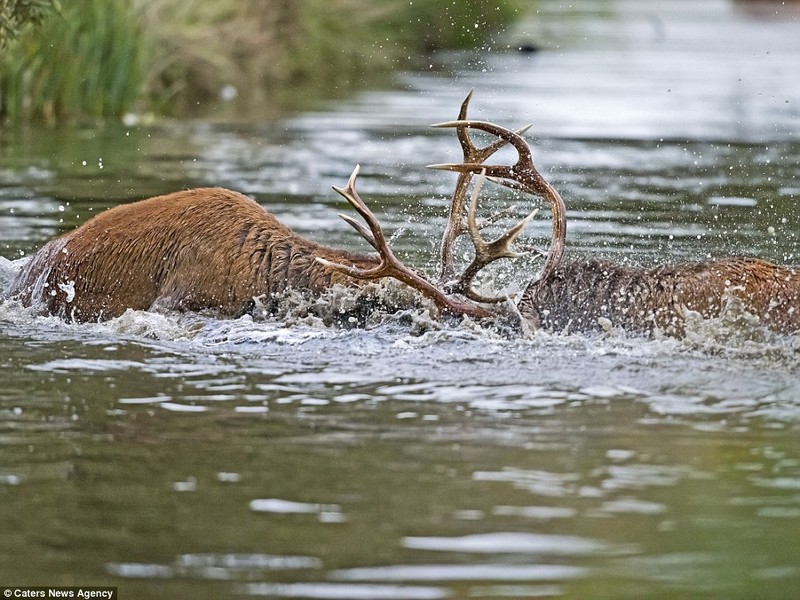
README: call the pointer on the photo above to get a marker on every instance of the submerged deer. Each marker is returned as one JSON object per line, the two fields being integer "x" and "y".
{"x": 205, "y": 248}
{"x": 200, "y": 249}
{"x": 578, "y": 294}
{"x": 587, "y": 294}
{"x": 215, "y": 249}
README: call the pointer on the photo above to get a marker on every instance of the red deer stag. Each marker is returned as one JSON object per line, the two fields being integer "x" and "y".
{"x": 206, "y": 248}
{"x": 585, "y": 294}
{"x": 201, "y": 249}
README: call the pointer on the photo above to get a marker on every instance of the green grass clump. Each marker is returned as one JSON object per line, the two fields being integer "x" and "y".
{"x": 86, "y": 61}
{"x": 99, "y": 58}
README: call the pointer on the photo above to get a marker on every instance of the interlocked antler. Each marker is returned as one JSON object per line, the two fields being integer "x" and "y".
{"x": 486, "y": 252}
{"x": 390, "y": 265}
{"x": 523, "y": 176}
{"x": 455, "y": 223}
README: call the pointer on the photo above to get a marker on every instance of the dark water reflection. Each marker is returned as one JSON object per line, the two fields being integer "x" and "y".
{"x": 186, "y": 457}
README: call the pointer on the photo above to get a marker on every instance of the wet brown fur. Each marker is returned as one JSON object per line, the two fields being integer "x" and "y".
{"x": 577, "y": 295}
{"x": 201, "y": 249}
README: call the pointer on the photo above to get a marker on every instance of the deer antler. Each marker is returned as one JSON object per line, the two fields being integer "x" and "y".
{"x": 390, "y": 265}
{"x": 455, "y": 223}
{"x": 486, "y": 252}
{"x": 522, "y": 175}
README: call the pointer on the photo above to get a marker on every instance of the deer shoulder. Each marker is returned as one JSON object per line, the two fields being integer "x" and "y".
{"x": 207, "y": 248}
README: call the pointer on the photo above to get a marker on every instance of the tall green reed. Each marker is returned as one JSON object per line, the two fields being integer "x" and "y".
{"x": 101, "y": 58}
{"x": 88, "y": 61}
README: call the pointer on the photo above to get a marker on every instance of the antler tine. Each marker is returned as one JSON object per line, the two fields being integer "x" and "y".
{"x": 523, "y": 176}
{"x": 349, "y": 193}
{"x": 486, "y": 252}
{"x": 523, "y": 171}
{"x": 363, "y": 231}
{"x": 390, "y": 265}
{"x": 464, "y": 138}
{"x": 472, "y": 155}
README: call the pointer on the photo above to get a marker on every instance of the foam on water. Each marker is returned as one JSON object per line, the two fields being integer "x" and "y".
{"x": 387, "y": 317}
{"x": 730, "y": 367}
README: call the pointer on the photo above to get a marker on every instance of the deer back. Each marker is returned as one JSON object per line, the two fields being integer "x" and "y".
{"x": 577, "y": 294}
{"x": 207, "y": 248}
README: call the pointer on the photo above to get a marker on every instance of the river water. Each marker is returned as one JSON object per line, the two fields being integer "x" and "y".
{"x": 182, "y": 456}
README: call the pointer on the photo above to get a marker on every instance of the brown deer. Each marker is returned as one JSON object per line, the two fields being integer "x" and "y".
{"x": 205, "y": 248}
{"x": 201, "y": 249}
{"x": 588, "y": 294}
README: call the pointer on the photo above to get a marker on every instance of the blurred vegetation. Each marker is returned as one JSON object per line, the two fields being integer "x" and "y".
{"x": 14, "y": 14}
{"x": 88, "y": 59}
{"x": 101, "y": 58}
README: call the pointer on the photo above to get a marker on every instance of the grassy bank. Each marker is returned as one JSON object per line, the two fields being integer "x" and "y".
{"x": 105, "y": 58}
